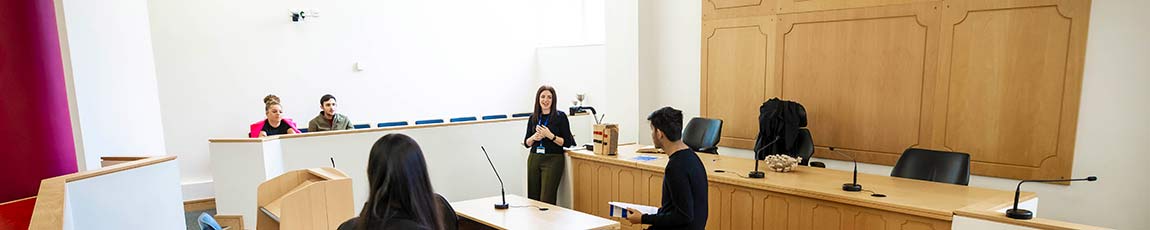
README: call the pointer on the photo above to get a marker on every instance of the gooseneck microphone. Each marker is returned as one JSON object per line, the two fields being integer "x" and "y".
{"x": 502, "y": 191}
{"x": 854, "y": 185}
{"x": 1023, "y": 214}
{"x": 757, "y": 173}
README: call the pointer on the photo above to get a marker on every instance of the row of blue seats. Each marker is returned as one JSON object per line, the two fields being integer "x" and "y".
{"x": 432, "y": 121}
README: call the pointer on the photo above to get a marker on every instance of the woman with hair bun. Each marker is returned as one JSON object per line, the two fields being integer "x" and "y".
{"x": 275, "y": 124}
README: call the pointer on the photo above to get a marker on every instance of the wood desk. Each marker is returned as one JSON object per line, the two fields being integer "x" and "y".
{"x": 525, "y": 214}
{"x": 807, "y": 198}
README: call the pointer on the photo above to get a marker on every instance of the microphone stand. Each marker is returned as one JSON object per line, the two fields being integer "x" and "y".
{"x": 1023, "y": 214}
{"x": 757, "y": 173}
{"x": 502, "y": 191}
{"x": 854, "y": 185}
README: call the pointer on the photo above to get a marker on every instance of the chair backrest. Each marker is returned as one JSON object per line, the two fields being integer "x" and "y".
{"x": 702, "y": 134}
{"x": 432, "y": 121}
{"x": 462, "y": 119}
{"x": 390, "y": 124}
{"x": 931, "y": 165}
{"x": 493, "y": 117}
{"x": 521, "y": 115}
{"x": 361, "y": 126}
{"x": 804, "y": 146}
{"x": 208, "y": 223}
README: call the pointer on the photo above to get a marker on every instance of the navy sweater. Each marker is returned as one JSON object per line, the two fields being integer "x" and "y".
{"x": 684, "y": 194}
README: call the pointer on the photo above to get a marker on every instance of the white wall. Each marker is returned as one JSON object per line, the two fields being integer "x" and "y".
{"x": 113, "y": 79}
{"x": 669, "y": 63}
{"x": 622, "y": 56}
{"x": 573, "y": 70}
{"x": 1113, "y": 123}
{"x": 216, "y": 59}
{"x": 141, "y": 198}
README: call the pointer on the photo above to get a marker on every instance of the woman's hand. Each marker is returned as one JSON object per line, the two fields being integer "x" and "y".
{"x": 263, "y": 134}
{"x": 544, "y": 131}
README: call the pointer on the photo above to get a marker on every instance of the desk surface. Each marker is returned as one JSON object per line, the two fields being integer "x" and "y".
{"x": 524, "y": 214}
{"x": 909, "y": 196}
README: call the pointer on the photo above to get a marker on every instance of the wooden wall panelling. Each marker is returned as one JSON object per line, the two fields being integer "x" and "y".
{"x": 584, "y": 185}
{"x": 717, "y": 9}
{"x": 733, "y": 207}
{"x": 799, "y": 6}
{"x": 736, "y": 66}
{"x": 864, "y": 76}
{"x": 1010, "y": 83}
{"x": 627, "y": 190}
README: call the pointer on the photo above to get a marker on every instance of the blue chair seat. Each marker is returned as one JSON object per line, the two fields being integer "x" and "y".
{"x": 361, "y": 126}
{"x": 462, "y": 119}
{"x": 303, "y": 130}
{"x": 493, "y": 117}
{"x": 392, "y": 124}
{"x": 521, "y": 115}
{"x": 432, "y": 121}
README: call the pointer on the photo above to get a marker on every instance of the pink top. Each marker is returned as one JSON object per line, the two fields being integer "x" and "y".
{"x": 259, "y": 125}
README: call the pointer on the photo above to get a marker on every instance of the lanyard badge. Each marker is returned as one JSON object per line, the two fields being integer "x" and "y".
{"x": 540, "y": 149}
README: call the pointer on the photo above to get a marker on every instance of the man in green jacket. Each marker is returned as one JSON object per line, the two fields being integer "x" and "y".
{"x": 328, "y": 119}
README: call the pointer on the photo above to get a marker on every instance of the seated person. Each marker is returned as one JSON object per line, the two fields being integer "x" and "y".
{"x": 400, "y": 194}
{"x": 275, "y": 124}
{"x": 684, "y": 196}
{"x": 327, "y": 119}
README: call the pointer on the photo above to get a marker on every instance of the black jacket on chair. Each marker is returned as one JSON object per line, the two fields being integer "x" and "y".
{"x": 783, "y": 119}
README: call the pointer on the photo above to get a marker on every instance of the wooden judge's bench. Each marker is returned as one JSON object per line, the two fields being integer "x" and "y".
{"x": 807, "y": 198}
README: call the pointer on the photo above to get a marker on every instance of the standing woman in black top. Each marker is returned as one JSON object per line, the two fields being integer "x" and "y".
{"x": 400, "y": 195}
{"x": 547, "y": 133}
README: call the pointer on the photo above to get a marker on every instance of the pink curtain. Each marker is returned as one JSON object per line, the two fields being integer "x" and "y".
{"x": 35, "y": 128}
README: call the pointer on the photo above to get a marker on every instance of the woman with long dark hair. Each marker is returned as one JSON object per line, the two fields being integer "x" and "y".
{"x": 401, "y": 196}
{"x": 547, "y": 133}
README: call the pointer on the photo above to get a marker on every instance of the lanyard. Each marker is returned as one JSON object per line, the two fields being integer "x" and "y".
{"x": 545, "y": 122}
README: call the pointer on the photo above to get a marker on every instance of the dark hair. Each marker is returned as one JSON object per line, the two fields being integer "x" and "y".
{"x": 270, "y": 100}
{"x": 669, "y": 120}
{"x": 539, "y": 109}
{"x": 325, "y": 98}
{"x": 398, "y": 180}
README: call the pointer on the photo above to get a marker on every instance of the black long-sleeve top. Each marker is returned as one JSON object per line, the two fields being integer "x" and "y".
{"x": 684, "y": 194}
{"x": 558, "y": 124}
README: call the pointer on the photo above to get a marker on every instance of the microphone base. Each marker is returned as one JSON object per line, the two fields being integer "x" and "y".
{"x": 502, "y": 206}
{"x": 756, "y": 174}
{"x": 1021, "y": 214}
{"x": 851, "y": 187}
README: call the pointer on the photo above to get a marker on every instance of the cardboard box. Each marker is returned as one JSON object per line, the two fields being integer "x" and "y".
{"x": 606, "y": 139}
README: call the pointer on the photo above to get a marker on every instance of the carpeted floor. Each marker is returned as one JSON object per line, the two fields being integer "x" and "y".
{"x": 191, "y": 218}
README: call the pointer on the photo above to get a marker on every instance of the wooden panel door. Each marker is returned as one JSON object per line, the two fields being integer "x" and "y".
{"x": 735, "y": 71}
{"x": 717, "y": 9}
{"x": 798, "y": 6}
{"x": 864, "y": 76}
{"x": 1011, "y": 80}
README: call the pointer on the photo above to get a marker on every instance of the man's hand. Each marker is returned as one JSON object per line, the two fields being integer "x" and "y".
{"x": 634, "y": 216}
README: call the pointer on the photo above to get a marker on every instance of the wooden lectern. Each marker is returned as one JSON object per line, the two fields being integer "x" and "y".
{"x": 317, "y": 198}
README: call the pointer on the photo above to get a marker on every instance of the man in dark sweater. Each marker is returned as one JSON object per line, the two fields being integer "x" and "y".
{"x": 684, "y": 180}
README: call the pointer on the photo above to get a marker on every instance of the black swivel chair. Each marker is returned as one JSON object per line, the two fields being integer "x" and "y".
{"x": 931, "y": 165}
{"x": 702, "y": 134}
{"x": 806, "y": 149}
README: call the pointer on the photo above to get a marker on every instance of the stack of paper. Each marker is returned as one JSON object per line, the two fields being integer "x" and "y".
{"x": 619, "y": 209}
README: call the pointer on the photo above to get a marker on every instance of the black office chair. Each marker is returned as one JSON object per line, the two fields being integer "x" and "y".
{"x": 931, "y": 165}
{"x": 805, "y": 148}
{"x": 702, "y": 134}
